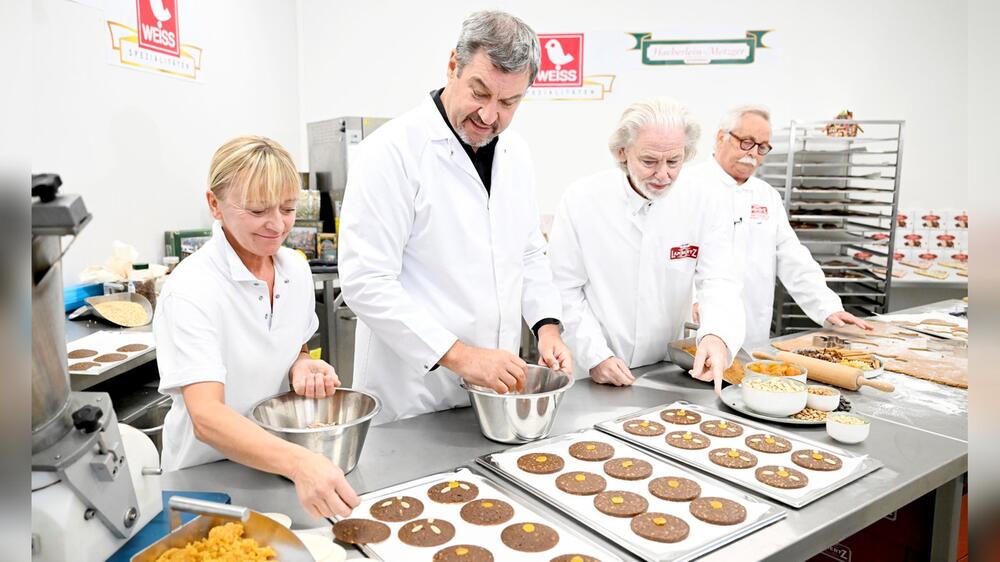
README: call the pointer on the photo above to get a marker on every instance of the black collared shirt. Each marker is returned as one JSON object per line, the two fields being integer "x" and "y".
{"x": 482, "y": 159}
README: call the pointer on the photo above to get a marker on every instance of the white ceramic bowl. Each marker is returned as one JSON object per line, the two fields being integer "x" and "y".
{"x": 800, "y": 377}
{"x": 844, "y": 432}
{"x": 823, "y": 402}
{"x": 774, "y": 396}
{"x": 281, "y": 518}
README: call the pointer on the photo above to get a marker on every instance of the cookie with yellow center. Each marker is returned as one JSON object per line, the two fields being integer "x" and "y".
{"x": 619, "y": 503}
{"x": 540, "y": 463}
{"x": 591, "y": 451}
{"x": 396, "y": 509}
{"x": 426, "y": 532}
{"x": 767, "y": 443}
{"x": 817, "y": 460}
{"x": 718, "y": 511}
{"x": 574, "y": 558}
{"x": 674, "y": 488}
{"x": 781, "y": 477}
{"x": 628, "y": 469}
{"x": 644, "y": 428}
{"x": 454, "y": 491}
{"x": 463, "y": 553}
{"x": 688, "y": 440}
{"x": 660, "y": 527}
{"x": 487, "y": 512}
{"x": 360, "y": 531}
{"x": 581, "y": 483}
{"x": 721, "y": 428}
{"x": 680, "y": 416}
{"x": 732, "y": 458}
{"x": 529, "y": 537}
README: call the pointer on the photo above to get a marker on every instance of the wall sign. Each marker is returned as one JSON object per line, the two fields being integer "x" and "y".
{"x": 160, "y": 36}
{"x": 699, "y": 51}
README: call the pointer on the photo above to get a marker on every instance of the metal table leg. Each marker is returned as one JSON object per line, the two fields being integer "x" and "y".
{"x": 947, "y": 515}
{"x": 329, "y": 340}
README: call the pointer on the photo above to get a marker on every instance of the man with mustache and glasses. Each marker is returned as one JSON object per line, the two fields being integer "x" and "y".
{"x": 628, "y": 243}
{"x": 763, "y": 242}
{"x": 441, "y": 254}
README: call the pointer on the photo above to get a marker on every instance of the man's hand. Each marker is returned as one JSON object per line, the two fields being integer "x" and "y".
{"x": 711, "y": 360}
{"x": 322, "y": 488}
{"x": 843, "y": 318}
{"x": 695, "y": 313}
{"x": 553, "y": 351}
{"x": 493, "y": 368}
{"x": 313, "y": 378}
{"x": 612, "y": 371}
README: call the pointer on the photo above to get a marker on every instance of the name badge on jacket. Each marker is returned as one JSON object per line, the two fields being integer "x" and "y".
{"x": 685, "y": 251}
{"x": 758, "y": 213}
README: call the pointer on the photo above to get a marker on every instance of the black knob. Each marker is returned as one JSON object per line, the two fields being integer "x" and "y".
{"x": 45, "y": 186}
{"x": 87, "y": 419}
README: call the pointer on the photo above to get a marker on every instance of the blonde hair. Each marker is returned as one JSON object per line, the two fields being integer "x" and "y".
{"x": 662, "y": 112}
{"x": 258, "y": 166}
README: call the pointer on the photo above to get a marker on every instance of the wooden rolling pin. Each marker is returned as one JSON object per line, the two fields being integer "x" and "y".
{"x": 829, "y": 373}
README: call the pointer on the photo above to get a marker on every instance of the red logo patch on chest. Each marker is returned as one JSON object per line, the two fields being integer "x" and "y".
{"x": 685, "y": 251}
{"x": 758, "y": 212}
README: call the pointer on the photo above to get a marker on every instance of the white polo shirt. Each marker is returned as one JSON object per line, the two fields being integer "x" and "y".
{"x": 215, "y": 322}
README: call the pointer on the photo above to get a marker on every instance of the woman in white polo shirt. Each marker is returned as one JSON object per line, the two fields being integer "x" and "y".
{"x": 231, "y": 325}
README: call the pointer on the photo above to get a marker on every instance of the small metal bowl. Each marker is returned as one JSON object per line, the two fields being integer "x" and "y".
{"x": 350, "y": 412}
{"x": 520, "y": 417}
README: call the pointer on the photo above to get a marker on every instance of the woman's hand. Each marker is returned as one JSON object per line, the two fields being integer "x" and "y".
{"x": 322, "y": 488}
{"x": 313, "y": 378}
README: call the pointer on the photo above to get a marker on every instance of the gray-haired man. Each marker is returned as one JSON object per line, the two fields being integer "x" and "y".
{"x": 441, "y": 252}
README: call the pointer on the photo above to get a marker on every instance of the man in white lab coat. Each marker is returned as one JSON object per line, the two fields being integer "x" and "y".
{"x": 441, "y": 252}
{"x": 763, "y": 241}
{"x": 628, "y": 244}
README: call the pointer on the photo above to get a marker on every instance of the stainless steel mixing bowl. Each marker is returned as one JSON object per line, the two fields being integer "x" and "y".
{"x": 519, "y": 417}
{"x": 339, "y": 422}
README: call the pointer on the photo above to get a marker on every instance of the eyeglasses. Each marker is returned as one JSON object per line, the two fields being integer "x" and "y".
{"x": 748, "y": 144}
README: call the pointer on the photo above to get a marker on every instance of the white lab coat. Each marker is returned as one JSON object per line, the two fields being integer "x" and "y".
{"x": 426, "y": 258}
{"x": 625, "y": 268}
{"x": 765, "y": 245}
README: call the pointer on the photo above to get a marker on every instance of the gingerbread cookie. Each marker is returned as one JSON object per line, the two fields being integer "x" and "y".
{"x": 487, "y": 512}
{"x": 581, "y": 483}
{"x": 628, "y": 469}
{"x": 110, "y": 357}
{"x": 426, "y": 532}
{"x": 732, "y": 458}
{"x": 688, "y": 440}
{"x": 718, "y": 511}
{"x": 453, "y": 492}
{"x": 619, "y": 503}
{"x": 816, "y": 460}
{"x": 781, "y": 477}
{"x": 529, "y": 537}
{"x": 680, "y": 416}
{"x": 644, "y": 428}
{"x": 574, "y": 558}
{"x": 360, "y": 531}
{"x": 722, "y": 428}
{"x": 132, "y": 347}
{"x": 591, "y": 451}
{"x": 399, "y": 508}
{"x": 83, "y": 366}
{"x": 540, "y": 463}
{"x": 81, "y": 353}
{"x": 674, "y": 488}
{"x": 463, "y": 553}
{"x": 660, "y": 527}
{"x": 766, "y": 443}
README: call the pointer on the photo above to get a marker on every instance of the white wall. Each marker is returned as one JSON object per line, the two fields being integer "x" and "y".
{"x": 891, "y": 59}
{"x": 136, "y": 145}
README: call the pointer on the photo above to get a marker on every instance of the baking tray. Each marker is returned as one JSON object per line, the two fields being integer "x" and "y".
{"x": 394, "y": 550}
{"x": 703, "y": 537}
{"x": 684, "y": 360}
{"x": 821, "y": 483}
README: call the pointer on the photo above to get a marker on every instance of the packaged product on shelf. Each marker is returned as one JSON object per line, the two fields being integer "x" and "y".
{"x": 931, "y": 219}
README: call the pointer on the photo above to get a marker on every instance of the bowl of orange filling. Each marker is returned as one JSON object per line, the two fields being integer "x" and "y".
{"x": 776, "y": 369}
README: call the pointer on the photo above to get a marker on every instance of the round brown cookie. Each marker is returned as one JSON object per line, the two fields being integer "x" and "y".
{"x": 399, "y": 508}
{"x": 426, "y": 532}
{"x": 487, "y": 512}
{"x": 540, "y": 463}
{"x": 463, "y": 553}
{"x": 722, "y": 428}
{"x": 83, "y": 366}
{"x": 360, "y": 531}
{"x": 619, "y": 503}
{"x": 718, "y": 511}
{"x": 674, "y": 488}
{"x": 591, "y": 451}
{"x": 625, "y": 468}
{"x": 766, "y": 443}
{"x": 581, "y": 483}
{"x": 660, "y": 527}
{"x": 574, "y": 558}
{"x": 732, "y": 458}
{"x": 816, "y": 460}
{"x": 781, "y": 477}
{"x": 132, "y": 347}
{"x": 81, "y": 353}
{"x": 453, "y": 492}
{"x": 644, "y": 428}
{"x": 680, "y": 416}
{"x": 110, "y": 357}
{"x": 688, "y": 440}
{"x": 529, "y": 537}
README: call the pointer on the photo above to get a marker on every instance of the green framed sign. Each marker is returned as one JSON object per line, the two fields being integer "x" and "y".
{"x": 674, "y": 52}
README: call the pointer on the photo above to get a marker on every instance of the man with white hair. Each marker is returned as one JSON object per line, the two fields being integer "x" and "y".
{"x": 628, "y": 243}
{"x": 763, "y": 242}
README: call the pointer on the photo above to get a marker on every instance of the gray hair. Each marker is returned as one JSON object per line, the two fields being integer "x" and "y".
{"x": 662, "y": 112}
{"x": 731, "y": 119}
{"x": 509, "y": 43}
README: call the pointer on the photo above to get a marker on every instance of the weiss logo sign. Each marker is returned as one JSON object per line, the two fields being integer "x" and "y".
{"x": 562, "y": 60}
{"x": 158, "y": 26}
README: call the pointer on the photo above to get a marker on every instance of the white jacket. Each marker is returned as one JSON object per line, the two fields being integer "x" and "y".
{"x": 426, "y": 258}
{"x": 625, "y": 268}
{"x": 765, "y": 244}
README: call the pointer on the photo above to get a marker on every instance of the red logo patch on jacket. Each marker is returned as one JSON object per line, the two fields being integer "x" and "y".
{"x": 758, "y": 213}
{"x": 685, "y": 251}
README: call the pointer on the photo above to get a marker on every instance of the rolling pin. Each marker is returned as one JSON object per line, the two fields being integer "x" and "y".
{"x": 829, "y": 373}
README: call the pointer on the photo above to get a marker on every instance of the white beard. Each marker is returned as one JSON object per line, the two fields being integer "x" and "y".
{"x": 651, "y": 194}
